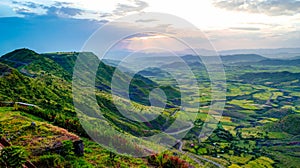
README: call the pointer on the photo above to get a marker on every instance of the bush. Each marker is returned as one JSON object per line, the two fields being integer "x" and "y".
{"x": 13, "y": 157}
{"x": 67, "y": 148}
{"x": 74, "y": 161}
{"x": 51, "y": 160}
{"x": 164, "y": 160}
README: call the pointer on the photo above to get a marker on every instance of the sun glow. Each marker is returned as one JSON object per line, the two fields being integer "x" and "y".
{"x": 151, "y": 43}
{"x": 148, "y": 37}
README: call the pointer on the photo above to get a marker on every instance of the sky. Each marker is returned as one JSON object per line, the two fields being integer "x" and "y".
{"x": 65, "y": 25}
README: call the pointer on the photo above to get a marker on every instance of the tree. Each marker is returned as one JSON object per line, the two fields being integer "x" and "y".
{"x": 13, "y": 157}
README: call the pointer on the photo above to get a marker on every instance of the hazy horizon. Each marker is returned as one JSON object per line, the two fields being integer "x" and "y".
{"x": 65, "y": 25}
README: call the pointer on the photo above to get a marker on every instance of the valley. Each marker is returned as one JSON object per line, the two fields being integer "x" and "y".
{"x": 259, "y": 126}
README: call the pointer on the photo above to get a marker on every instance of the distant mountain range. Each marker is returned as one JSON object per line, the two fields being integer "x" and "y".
{"x": 155, "y": 66}
{"x": 228, "y": 59}
{"x": 280, "y": 53}
{"x": 269, "y": 53}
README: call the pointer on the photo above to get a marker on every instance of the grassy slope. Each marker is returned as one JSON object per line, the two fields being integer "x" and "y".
{"x": 139, "y": 86}
{"x": 15, "y": 125}
{"x": 52, "y": 93}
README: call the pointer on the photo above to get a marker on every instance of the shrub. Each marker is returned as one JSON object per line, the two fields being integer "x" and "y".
{"x": 13, "y": 156}
{"x": 67, "y": 148}
{"x": 166, "y": 161}
{"x": 51, "y": 160}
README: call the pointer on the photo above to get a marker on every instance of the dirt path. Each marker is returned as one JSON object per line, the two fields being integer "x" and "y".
{"x": 198, "y": 159}
{"x": 182, "y": 130}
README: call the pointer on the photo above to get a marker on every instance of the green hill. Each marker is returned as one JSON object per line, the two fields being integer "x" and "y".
{"x": 238, "y": 58}
{"x": 53, "y": 94}
{"x": 139, "y": 86}
{"x": 47, "y": 91}
{"x": 289, "y": 124}
{"x": 228, "y": 59}
{"x": 44, "y": 80}
{"x": 32, "y": 64}
{"x": 273, "y": 78}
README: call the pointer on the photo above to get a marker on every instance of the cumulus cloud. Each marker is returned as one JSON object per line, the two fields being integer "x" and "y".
{"x": 27, "y": 8}
{"x": 60, "y": 9}
{"x": 28, "y": 4}
{"x": 123, "y": 9}
{"x": 24, "y": 11}
{"x": 66, "y": 8}
{"x": 63, "y": 11}
{"x": 269, "y": 7}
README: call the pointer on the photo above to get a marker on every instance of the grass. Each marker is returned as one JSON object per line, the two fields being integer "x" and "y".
{"x": 239, "y": 160}
{"x": 260, "y": 162}
{"x": 283, "y": 158}
{"x": 245, "y": 104}
{"x": 97, "y": 155}
{"x": 262, "y": 96}
{"x": 234, "y": 166}
{"x": 238, "y": 89}
{"x": 4, "y": 110}
{"x": 16, "y": 128}
{"x": 276, "y": 95}
{"x": 268, "y": 120}
{"x": 218, "y": 160}
{"x": 278, "y": 135}
{"x": 253, "y": 132}
{"x": 295, "y": 94}
{"x": 231, "y": 129}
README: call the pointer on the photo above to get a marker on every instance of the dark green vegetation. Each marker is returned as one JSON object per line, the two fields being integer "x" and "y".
{"x": 51, "y": 146}
{"x": 13, "y": 156}
{"x": 259, "y": 127}
{"x": 44, "y": 81}
{"x": 260, "y": 123}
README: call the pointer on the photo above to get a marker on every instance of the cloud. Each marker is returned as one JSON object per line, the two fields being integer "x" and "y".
{"x": 146, "y": 34}
{"x": 27, "y": 8}
{"x": 268, "y": 7}
{"x": 63, "y": 11}
{"x": 123, "y": 9}
{"x": 103, "y": 15}
{"x": 74, "y": 9}
{"x": 28, "y": 4}
{"x": 24, "y": 11}
{"x": 62, "y": 3}
{"x": 145, "y": 20}
{"x": 245, "y": 28}
{"x": 59, "y": 9}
